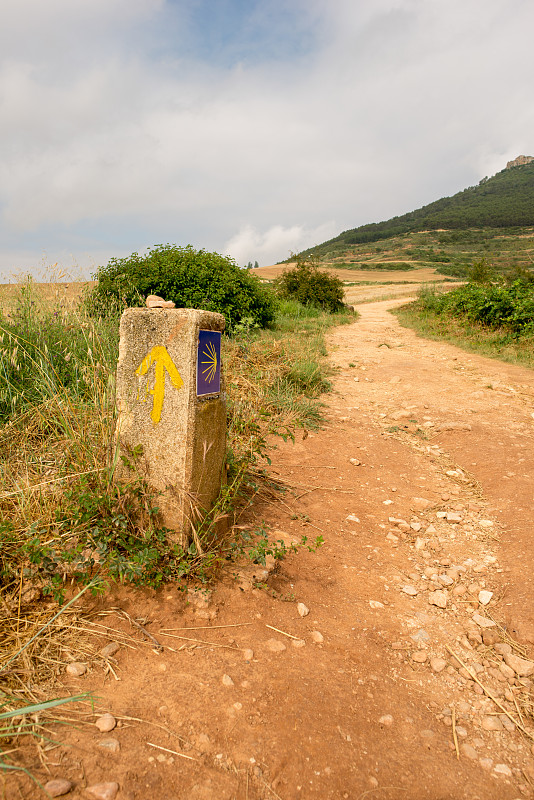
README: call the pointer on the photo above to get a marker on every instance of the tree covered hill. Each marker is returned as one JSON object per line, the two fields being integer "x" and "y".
{"x": 505, "y": 200}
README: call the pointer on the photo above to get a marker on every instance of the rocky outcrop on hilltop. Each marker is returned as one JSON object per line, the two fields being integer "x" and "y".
{"x": 520, "y": 161}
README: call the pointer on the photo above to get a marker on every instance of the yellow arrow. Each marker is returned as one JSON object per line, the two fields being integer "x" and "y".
{"x": 162, "y": 360}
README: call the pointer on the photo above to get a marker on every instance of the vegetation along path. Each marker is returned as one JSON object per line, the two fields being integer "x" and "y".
{"x": 392, "y": 662}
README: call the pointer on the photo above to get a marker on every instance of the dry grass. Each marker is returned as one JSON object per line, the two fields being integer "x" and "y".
{"x": 53, "y": 293}
{"x": 38, "y": 643}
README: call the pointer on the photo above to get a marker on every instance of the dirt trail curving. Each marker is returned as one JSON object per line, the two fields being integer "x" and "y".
{"x": 421, "y": 483}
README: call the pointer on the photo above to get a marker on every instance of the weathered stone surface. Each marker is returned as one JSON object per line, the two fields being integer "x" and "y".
{"x": 183, "y": 436}
{"x": 155, "y": 301}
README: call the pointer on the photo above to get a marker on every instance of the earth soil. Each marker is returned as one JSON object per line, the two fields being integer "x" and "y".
{"x": 384, "y": 664}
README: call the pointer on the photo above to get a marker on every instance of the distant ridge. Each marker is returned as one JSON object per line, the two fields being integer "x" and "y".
{"x": 505, "y": 200}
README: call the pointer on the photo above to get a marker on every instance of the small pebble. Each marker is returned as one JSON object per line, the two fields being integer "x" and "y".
{"x": 502, "y": 769}
{"x": 355, "y": 462}
{"x": 506, "y": 671}
{"x": 317, "y": 637}
{"x": 103, "y": 791}
{"x": 248, "y": 654}
{"x": 111, "y": 745}
{"x": 491, "y": 723}
{"x": 76, "y": 669}
{"x": 437, "y": 664}
{"x": 298, "y": 643}
{"x": 376, "y": 604}
{"x": 410, "y": 590}
{"x": 469, "y": 751}
{"x": 275, "y": 645}
{"x": 110, "y": 649}
{"x": 227, "y": 681}
{"x": 520, "y": 666}
{"x": 387, "y": 720}
{"x": 484, "y": 622}
{"x": 502, "y": 648}
{"x": 420, "y": 656}
{"x": 438, "y": 598}
{"x": 58, "y": 787}
{"x": 106, "y": 723}
{"x": 302, "y": 610}
{"x": 484, "y": 597}
{"x": 507, "y": 722}
{"x": 486, "y": 763}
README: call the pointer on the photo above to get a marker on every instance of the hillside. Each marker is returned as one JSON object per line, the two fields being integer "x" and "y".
{"x": 504, "y": 201}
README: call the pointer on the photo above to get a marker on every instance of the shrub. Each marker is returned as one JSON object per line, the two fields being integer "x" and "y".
{"x": 309, "y": 286}
{"x": 191, "y": 278}
{"x": 491, "y": 305}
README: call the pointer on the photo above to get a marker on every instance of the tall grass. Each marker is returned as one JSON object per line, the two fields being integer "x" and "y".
{"x": 62, "y": 517}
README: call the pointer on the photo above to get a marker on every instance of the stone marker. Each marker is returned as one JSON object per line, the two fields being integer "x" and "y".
{"x": 171, "y": 408}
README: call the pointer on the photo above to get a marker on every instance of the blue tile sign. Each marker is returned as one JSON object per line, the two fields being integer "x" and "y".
{"x": 209, "y": 363}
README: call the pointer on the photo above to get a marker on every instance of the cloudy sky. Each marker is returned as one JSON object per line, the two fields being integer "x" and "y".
{"x": 250, "y": 127}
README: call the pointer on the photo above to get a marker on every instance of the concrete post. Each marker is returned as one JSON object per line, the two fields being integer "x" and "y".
{"x": 171, "y": 401}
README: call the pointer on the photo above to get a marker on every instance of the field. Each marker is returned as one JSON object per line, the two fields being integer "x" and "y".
{"x": 364, "y": 286}
{"x": 53, "y": 293}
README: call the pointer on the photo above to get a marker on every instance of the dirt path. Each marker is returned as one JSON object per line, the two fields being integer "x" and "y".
{"x": 421, "y": 482}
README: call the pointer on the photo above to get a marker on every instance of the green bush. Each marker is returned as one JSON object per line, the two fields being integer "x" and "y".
{"x": 191, "y": 278}
{"x": 309, "y": 286}
{"x": 491, "y": 305}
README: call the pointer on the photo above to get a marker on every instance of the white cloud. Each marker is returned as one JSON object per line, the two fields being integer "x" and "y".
{"x": 115, "y": 135}
{"x": 275, "y": 244}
